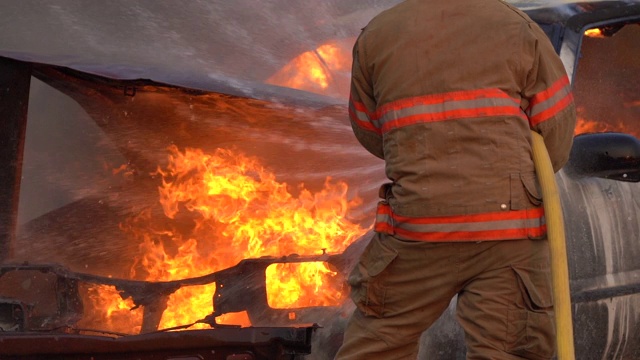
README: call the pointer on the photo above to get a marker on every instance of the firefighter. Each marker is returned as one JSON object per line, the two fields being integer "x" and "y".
{"x": 447, "y": 93}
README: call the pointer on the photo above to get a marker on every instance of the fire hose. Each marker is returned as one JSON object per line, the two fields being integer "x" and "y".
{"x": 557, "y": 249}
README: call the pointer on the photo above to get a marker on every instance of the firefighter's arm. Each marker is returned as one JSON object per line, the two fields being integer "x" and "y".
{"x": 548, "y": 97}
{"x": 362, "y": 104}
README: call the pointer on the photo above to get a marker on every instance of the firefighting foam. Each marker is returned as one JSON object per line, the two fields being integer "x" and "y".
{"x": 220, "y": 208}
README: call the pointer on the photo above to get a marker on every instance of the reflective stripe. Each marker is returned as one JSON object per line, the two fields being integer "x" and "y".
{"x": 433, "y": 108}
{"x": 448, "y": 106}
{"x": 520, "y": 224}
{"x": 549, "y": 102}
{"x": 359, "y": 115}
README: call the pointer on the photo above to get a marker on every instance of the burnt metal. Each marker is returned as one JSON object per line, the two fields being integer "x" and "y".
{"x": 57, "y": 306}
{"x": 13, "y": 315}
{"x": 239, "y": 288}
{"x": 260, "y": 343}
{"x": 56, "y": 337}
{"x": 250, "y": 295}
{"x": 15, "y": 78}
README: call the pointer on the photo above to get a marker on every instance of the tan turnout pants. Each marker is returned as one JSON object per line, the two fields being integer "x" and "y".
{"x": 401, "y": 287}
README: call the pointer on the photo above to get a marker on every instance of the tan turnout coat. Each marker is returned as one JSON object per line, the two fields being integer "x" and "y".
{"x": 447, "y": 96}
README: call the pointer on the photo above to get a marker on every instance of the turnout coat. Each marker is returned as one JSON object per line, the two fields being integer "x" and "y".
{"x": 447, "y": 94}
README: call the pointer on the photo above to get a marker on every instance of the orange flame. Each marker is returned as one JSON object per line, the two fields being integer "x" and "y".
{"x": 241, "y": 202}
{"x": 594, "y": 33}
{"x": 324, "y": 71}
{"x": 615, "y": 123}
{"x": 110, "y": 311}
{"x": 217, "y": 209}
{"x": 590, "y": 126}
{"x": 291, "y": 283}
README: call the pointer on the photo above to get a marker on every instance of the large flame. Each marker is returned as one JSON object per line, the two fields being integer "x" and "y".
{"x": 220, "y": 208}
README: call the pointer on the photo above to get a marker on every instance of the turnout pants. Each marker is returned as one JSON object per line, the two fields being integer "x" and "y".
{"x": 400, "y": 288}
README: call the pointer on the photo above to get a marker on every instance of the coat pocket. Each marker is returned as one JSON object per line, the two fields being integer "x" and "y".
{"x": 368, "y": 290}
{"x": 525, "y": 191}
{"x": 532, "y": 188}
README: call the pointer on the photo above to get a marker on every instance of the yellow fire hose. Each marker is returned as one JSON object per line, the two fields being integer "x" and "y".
{"x": 557, "y": 249}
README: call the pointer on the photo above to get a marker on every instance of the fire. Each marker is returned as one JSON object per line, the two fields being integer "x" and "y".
{"x": 614, "y": 124}
{"x": 596, "y": 33}
{"x": 584, "y": 126}
{"x": 240, "y": 203}
{"x": 590, "y": 126}
{"x": 289, "y": 281}
{"x": 110, "y": 311}
{"x": 324, "y": 70}
{"x": 217, "y": 209}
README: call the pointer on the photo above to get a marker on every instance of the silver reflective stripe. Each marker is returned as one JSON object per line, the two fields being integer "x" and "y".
{"x": 451, "y": 110}
{"x": 540, "y": 107}
{"x": 362, "y": 117}
{"x": 470, "y": 227}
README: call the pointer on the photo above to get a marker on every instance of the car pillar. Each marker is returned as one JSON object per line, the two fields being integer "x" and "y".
{"x": 15, "y": 78}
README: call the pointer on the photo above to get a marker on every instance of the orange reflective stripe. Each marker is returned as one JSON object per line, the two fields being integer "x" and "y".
{"x": 438, "y": 107}
{"x": 401, "y": 121}
{"x": 447, "y": 106}
{"x": 456, "y": 219}
{"x": 487, "y": 226}
{"x": 461, "y": 105}
{"x": 508, "y": 234}
{"x": 383, "y": 227}
{"x": 444, "y": 97}
{"x": 549, "y": 102}
{"x": 359, "y": 114}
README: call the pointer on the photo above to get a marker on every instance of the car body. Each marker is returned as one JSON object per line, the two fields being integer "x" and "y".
{"x": 89, "y": 116}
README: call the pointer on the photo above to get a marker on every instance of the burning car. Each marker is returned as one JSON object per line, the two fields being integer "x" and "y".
{"x": 205, "y": 199}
